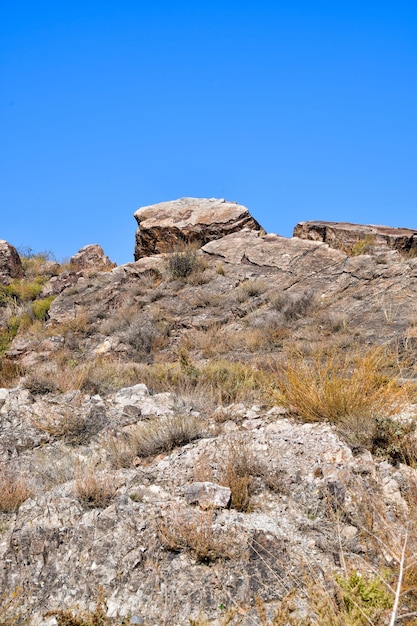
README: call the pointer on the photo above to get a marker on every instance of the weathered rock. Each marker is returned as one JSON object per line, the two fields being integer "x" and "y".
{"x": 91, "y": 257}
{"x": 10, "y": 263}
{"x": 208, "y": 495}
{"x": 357, "y": 238}
{"x": 164, "y": 226}
{"x": 57, "y": 284}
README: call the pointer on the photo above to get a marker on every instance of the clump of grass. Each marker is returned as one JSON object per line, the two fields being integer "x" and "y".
{"x": 238, "y": 473}
{"x": 332, "y": 386}
{"x": 14, "y": 489}
{"x": 166, "y": 433}
{"x": 184, "y": 529}
{"x": 40, "y": 308}
{"x": 10, "y": 371}
{"x": 94, "y": 489}
{"x": 364, "y": 245}
{"x": 250, "y": 288}
{"x": 184, "y": 262}
{"x": 97, "y": 617}
{"x": 293, "y": 305}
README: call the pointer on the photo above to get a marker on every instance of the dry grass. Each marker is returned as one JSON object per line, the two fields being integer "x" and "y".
{"x": 250, "y": 289}
{"x": 184, "y": 262}
{"x": 166, "y": 433}
{"x": 14, "y": 489}
{"x": 334, "y": 386}
{"x": 195, "y": 531}
{"x": 11, "y": 612}
{"x": 95, "y": 618}
{"x": 10, "y": 373}
{"x": 94, "y": 489}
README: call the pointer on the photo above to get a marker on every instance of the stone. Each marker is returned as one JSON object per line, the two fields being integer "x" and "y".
{"x": 91, "y": 257}
{"x": 208, "y": 495}
{"x": 57, "y": 284}
{"x": 163, "y": 226}
{"x": 10, "y": 263}
{"x": 358, "y": 238}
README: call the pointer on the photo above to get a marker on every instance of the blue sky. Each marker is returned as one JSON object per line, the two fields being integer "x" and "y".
{"x": 297, "y": 109}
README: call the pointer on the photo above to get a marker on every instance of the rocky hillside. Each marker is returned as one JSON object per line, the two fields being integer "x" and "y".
{"x": 221, "y": 432}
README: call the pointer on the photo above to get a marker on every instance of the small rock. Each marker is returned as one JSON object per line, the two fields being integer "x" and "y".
{"x": 208, "y": 495}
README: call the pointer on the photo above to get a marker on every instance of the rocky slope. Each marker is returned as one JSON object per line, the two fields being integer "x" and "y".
{"x": 152, "y": 449}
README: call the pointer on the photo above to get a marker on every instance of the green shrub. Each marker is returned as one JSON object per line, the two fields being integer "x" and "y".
{"x": 40, "y": 308}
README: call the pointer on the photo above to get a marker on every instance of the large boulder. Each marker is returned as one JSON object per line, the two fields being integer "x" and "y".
{"x": 91, "y": 257}
{"x": 357, "y": 238}
{"x": 164, "y": 226}
{"x": 10, "y": 263}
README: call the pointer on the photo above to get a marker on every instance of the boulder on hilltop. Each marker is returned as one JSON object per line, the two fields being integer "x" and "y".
{"x": 161, "y": 227}
{"x": 91, "y": 257}
{"x": 358, "y": 238}
{"x": 10, "y": 263}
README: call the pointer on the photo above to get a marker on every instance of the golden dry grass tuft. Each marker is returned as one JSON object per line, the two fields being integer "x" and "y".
{"x": 14, "y": 489}
{"x": 336, "y": 385}
{"x": 93, "y": 488}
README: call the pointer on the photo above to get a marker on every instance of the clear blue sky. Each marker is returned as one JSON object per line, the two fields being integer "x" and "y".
{"x": 297, "y": 109}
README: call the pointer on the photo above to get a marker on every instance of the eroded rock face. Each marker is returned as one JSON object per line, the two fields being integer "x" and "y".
{"x": 91, "y": 257}
{"x": 165, "y": 225}
{"x": 10, "y": 263}
{"x": 357, "y": 238}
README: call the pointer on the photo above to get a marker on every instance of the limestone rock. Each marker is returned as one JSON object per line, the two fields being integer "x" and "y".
{"x": 165, "y": 225}
{"x": 358, "y": 238}
{"x": 10, "y": 263}
{"x": 208, "y": 495}
{"x": 91, "y": 257}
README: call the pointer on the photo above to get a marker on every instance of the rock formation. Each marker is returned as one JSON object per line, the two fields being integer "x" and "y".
{"x": 357, "y": 238}
{"x": 155, "y": 454}
{"x": 91, "y": 257}
{"x": 10, "y": 263}
{"x": 162, "y": 227}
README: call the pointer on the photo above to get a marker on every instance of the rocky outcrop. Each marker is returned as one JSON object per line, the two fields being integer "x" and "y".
{"x": 359, "y": 239}
{"x": 162, "y": 227}
{"x": 10, "y": 263}
{"x": 91, "y": 257}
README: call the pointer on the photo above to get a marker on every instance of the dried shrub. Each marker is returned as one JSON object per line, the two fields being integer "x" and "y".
{"x": 184, "y": 262}
{"x": 143, "y": 336}
{"x": 10, "y": 372}
{"x": 293, "y": 305}
{"x": 14, "y": 489}
{"x": 195, "y": 531}
{"x": 166, "y": 433}
{"x": 121, "y": 449}
{"x": 238, "y": 473}
{"x": 94, "y": 489}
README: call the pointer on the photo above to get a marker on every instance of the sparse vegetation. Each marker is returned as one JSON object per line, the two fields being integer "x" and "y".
{"x": 333, "y": 386}
{"x": 184, "y": 262}
{"x": 14, "y": 489}
{"x": 165, "y": 433}
{"x": 183, "y": 529}
{"x": 364, "y": 245}
{"x": 93, "y": 488}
